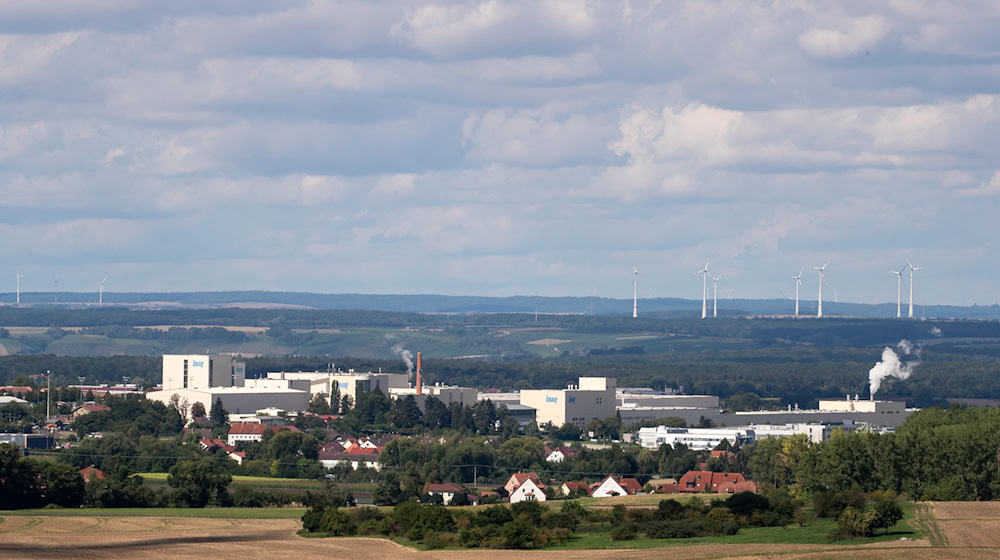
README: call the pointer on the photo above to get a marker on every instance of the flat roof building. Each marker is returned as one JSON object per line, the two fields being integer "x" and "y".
{"x": 593, "y": 398}
{"x": 349, "y": 383}
{"x": 698, "y": 439}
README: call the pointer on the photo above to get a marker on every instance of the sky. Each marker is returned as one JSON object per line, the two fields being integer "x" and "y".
{"x": 501, "y": 147}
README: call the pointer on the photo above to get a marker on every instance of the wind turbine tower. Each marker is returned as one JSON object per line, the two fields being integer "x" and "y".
{"x": 912, "y": 270}
{"x": 899, "y": 291}
{"x": 715, "y": 295}
{"x": 19, "y": 276}
{"x": 635, "y": 292}
{"x": 100, "y": 291}
{"x": 822, "y": 270}
{"x": 704, "y": 290}
{"x": 798, "y": 282}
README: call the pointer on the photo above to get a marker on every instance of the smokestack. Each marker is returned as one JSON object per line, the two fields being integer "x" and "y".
{"x": 419, "y": 368}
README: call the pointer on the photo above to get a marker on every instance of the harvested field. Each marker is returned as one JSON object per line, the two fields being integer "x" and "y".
{"x": 550, "y": 341}
{"x": 970, "y": 530}
{"x": 968, "y": 524}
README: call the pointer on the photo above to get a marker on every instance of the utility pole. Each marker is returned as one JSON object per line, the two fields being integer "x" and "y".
{"x": 48, "y": 396}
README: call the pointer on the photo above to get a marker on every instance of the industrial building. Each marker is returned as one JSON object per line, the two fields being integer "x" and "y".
{"x": 201, "y": 371}
{"x": 698, "y": 439}
{"x": 206, "y": 378}
{"x": 593, "y": 398}
{"x": 447, "y": 394}
{"x": 349, "y": 383}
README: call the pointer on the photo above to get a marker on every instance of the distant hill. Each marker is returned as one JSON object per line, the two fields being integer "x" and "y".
{"x": 429, "y": 303}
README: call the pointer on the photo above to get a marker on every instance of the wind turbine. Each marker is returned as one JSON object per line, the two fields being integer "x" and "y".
{"x": 635, "y": 292}
{"x": 704, "y": 290}
{"x": 100, "y": 292}
{"x": 899, "y": 291}
{"x": 822, "y": 270}
{"x": 798, "y": 282}
{"x": 912, "y": 270}
{"x": 715, "y": 295}
{"x": 19, "y": 276}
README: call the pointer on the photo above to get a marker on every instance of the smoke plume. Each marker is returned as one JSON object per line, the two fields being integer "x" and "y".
{"x": 406, "y": 355}
{"x": 891, "y": 366}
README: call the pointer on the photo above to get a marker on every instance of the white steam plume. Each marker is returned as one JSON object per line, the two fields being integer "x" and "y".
{"x": 890, "y": 366}
{"x": 406, "y": 355}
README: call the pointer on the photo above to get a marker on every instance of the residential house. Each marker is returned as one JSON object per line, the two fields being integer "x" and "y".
{"x": 447, "y": 491}
{"x": 518, "y": 479}
{"x": 528, "y": 491}
{"x": 706, "y": 481}
{"x": 630, "y": 485}
{"x": 238, "y": 456}
{"x": 575, "y": 488}
{"x": 85, "y": 409}
{"x": 356, "y": 457}
{"x": 246, "y": 431}
{"x": 609, "y": 487}
{"x": 558, "y": 454}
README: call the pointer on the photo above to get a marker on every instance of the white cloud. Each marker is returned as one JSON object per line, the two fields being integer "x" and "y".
{"x": 496, "y": 146}
{"x": 989, "y": 188}
{"x": 859, "y": 34}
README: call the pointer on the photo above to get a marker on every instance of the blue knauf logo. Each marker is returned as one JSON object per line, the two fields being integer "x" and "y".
{"x": 551, "y": 399}
{"x": 197, "y": 364}
{"x": 342, "y": 384}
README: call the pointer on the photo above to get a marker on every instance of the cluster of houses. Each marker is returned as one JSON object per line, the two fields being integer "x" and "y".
{"x": 521, "y": 487}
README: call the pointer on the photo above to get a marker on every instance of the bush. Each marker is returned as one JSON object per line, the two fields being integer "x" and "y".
{"x": 529, "y": 510}
{"x": 520, "y": 533}
{"x": 494, "y": 516}
{"x": 472, "y": 537}
{"x": 669, "y": 509}
{"x": 855, "y": 522}
{"x": 625, "y": 532}
{"x": 832, "y": 504}
{"x": 559, "y": 519}
{"x": 434, "y": 540}
{"x": 746, "y": 503}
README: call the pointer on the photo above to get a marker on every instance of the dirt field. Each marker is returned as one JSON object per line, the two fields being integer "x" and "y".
{"x": 957, "y": 530}
{"x": 968, "y": 524}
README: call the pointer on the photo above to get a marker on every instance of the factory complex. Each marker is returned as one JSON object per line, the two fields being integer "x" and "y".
{"x": 207, "y": 378}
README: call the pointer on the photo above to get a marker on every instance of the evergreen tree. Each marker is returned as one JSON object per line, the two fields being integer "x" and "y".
{"x": 220, "y": 416}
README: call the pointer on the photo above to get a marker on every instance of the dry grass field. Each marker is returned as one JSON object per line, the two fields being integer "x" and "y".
{"x": 957, "y": 530}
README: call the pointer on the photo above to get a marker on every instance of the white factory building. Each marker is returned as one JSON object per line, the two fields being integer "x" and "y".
{"x": 447, "y": 394}
{"x": 205, "y": 378}
{"x": 698, "y": 439}
{"x": 349, "y": 383}
{"x": 592, "y": 398}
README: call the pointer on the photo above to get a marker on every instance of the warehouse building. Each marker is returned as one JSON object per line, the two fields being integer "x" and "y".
{"x": 349, "y": 383}
{"x": 206, "y": 378}
{"x": 698, "y": 439}
{"x": 593, "y": 398}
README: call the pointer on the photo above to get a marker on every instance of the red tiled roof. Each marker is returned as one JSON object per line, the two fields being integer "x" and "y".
{"x": 247, "y": 428}
{"x": 90, "y": 473}
{"x": 698, "y": 481}
{"x": 520, "y": 477}
{"x": 576, "y": 486}
{"x": 445, "y": 487}
{"x": 355, "y": 450}
{"x": 94, "y": 407}
{"x": 630, "y": 485}
{"x": 277, "y": 429}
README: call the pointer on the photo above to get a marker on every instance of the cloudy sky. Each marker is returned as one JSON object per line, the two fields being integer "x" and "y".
{"x": 501, "y": 147}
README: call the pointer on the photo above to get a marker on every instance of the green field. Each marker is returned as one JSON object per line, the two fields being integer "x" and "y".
{"x": 816, "y": 531}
